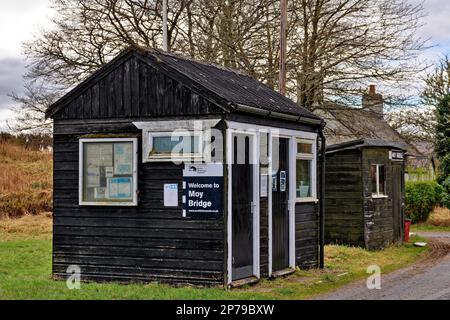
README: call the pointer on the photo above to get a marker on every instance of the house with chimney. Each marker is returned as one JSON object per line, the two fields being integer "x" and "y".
{"x": 365, "y": 174}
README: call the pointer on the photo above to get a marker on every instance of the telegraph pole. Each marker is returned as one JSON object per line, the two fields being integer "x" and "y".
{"x": 283, "y": 46}
{"x": 165, "y": 36}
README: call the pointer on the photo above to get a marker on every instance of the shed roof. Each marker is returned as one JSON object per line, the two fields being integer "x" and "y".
{"x": 364, "y": 143}
{"x": 239, "y": 91}
{"x": 349, "y": 124}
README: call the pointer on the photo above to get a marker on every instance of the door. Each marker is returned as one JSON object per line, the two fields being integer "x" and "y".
{"x": 397, "y": 200}
{"x": 280, "y": 204}
{"x": 242, "y": 206}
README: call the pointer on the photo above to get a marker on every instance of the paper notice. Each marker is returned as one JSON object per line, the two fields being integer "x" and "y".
{"x": 171, "y": 195}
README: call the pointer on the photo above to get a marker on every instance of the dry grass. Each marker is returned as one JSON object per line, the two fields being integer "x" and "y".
{"x": 439, "y": 218}
{"x": 37, "y": 226}
{"x": 25, "y": 181}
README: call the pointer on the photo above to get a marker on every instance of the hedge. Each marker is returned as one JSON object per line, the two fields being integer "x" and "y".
{"x": 421, "y": 198}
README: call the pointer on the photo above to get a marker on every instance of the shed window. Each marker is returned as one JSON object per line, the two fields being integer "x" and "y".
{"x": 305, "y": 170}
{"x": 378, "y": 178}
{"x": 164, "y": 146}
{"x": 108, "y": 171}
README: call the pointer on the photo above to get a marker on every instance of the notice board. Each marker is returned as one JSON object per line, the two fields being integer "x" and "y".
{"x": 203, "y": 191}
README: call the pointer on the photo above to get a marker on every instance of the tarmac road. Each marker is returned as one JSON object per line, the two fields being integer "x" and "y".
{"x": 426, "y": 280}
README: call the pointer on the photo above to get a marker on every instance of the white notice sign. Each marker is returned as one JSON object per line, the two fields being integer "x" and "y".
{"x": 264, "y": 185}
{"x": 171, "y": 195}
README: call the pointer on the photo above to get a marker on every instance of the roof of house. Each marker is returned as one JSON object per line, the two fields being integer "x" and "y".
{"x": 240, "y": 91}
{"x": 347, "y": 124}
{"x": 364, "y": 143}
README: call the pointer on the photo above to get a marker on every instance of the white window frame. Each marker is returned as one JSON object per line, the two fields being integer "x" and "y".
{"x": 377, "y": 174}
{"x": 313, "y": 158}
{"x": 81, "y": 172}
{"x": 147, "y": 143}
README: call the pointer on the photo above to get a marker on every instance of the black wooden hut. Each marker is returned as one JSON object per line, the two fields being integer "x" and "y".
{"x": 365, "y": 193}
{"x": 238, "y": 201}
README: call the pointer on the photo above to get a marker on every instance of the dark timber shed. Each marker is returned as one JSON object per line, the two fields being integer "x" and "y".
{"x": 174, "y": 170}
{"x": 365, "y": 193}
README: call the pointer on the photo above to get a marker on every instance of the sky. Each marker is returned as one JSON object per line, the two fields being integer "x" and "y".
{"x": 20, "y": 19}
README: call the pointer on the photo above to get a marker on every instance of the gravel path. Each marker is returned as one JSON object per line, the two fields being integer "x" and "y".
{"x": 428, "y": 279}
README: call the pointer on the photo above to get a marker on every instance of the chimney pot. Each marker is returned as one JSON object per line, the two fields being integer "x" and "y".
{"x": 373, "y": 102}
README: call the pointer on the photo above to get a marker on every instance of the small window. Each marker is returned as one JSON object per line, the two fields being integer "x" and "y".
{"x": 108, "y": 173}
{"x": 305, "y": 170}
{"x": 397, "y": 155}
{"x": 164, "y": 146}
{"x": 304, "y": 178}
{"x": 378, "y": 179}
{"x": 304, "y": 148}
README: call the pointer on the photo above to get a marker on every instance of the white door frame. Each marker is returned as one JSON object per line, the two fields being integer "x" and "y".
{"x": 256, "y": 217}
{"x": 293, "y": 135}
{"x": 291, "y": 201}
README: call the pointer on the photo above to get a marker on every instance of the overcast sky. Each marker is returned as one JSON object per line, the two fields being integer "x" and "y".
{"x": 19, "y": 19}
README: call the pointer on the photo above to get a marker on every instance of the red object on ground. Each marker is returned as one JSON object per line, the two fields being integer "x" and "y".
{"x": 407, "y": 226}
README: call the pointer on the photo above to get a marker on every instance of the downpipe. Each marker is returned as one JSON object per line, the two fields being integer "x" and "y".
{"x": 322, "y": 197}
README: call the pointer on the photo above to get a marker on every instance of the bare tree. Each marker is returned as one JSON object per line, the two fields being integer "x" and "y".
{"x": 338, "y": 47}
{"x": 335, "y": 47}
{"x": 437, "y": 83}
{"x": 414, "y": 124}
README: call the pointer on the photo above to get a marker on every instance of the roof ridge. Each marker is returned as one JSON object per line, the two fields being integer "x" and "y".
{"x": 191, "y": 59}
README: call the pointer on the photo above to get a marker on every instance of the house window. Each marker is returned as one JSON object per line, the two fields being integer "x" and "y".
{"x": 108, "y": 172}
{"x": 167, "y": 146}
{"x": 305, "y": 170}
{"x": 378, "y": 178}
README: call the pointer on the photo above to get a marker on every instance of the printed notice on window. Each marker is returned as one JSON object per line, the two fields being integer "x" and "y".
{"x": 120, "y": 188}
{"x": 93, "y": 176}
{"x": 123, "y": 159}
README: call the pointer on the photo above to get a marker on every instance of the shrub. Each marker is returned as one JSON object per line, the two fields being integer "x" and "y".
{"x": 421, "y": 198}
{"x": 15, "y": 205}
{"x": 440, "y": 194}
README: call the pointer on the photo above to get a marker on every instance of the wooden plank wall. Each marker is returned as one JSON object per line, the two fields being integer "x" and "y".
{"x": 135, "y": 89}
{"x": 144, "y": 243}
{"x": 344, "y": 219}
{"x": 378, "y": 214}
{"x": 307, "y": 235}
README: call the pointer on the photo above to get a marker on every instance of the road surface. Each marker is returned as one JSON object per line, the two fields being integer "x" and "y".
{"x": 426, "y": 280}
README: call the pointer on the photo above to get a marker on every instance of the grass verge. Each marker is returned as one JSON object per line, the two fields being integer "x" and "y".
{"x": 25, "y": 271}
{"x": 439, "y": 220}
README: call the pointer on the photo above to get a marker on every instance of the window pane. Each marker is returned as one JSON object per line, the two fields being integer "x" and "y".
{"x": 303, "y": 178}
{"x": 382, "y": 177}
{"x": 184, "y": 144}
{"x": 373, "y": 178}
{"x": 108, "y": 172}
{"x": 304, "y": 148}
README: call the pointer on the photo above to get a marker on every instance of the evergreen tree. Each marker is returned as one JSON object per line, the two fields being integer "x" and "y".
{"x": 443, "y": 137}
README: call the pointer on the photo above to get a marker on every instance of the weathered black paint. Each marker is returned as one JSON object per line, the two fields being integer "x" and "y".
{"x": 353, "y": 215}
{"x": 242, "y": 209}
{"x": 149, "y": 242}
{"x": 280, "y": 207}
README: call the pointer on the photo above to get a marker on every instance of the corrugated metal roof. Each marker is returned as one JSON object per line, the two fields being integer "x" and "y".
{"x": 231, "y": 85}
{"x": 365, "y": 143}
{"x": 237, "y": 90}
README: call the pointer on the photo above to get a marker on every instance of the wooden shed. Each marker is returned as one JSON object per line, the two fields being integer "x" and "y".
{"x": 178, "y": 171}
{"x": 365, "y": 193}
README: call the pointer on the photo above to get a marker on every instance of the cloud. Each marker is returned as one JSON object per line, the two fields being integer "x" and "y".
{"x": 18, "y": 20}
{"x": 6, "y": 117}
{"x": 11, "y": 71}
{"x": 437, "y": 22}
